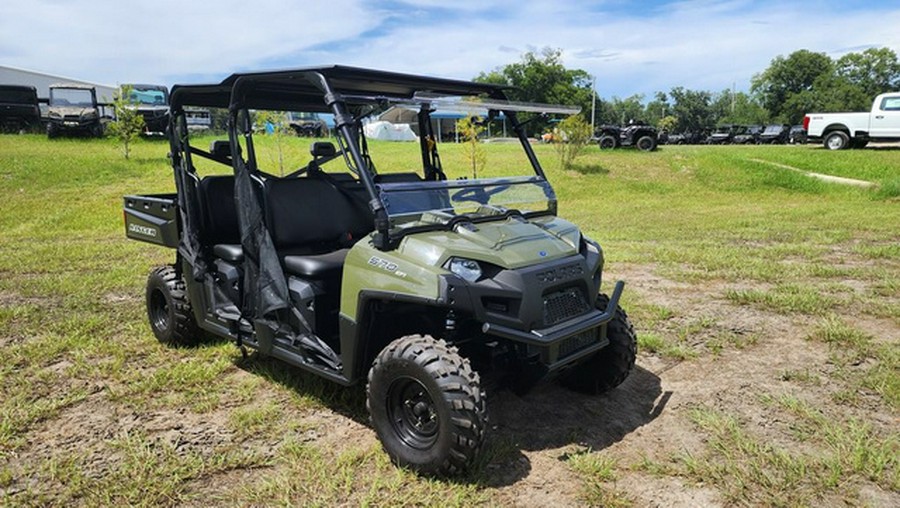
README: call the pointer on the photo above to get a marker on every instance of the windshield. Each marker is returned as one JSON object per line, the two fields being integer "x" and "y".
{"x": 148, "y": 96}
{"x": 774, "y": 129}
{"x": 71, "y": 97}
{"x": 413, "y": 203}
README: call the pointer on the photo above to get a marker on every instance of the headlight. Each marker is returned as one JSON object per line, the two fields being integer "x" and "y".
{"x": 54, "y": 114}
{"x": 466, "y": 268}
{"x": 90, "y": 115}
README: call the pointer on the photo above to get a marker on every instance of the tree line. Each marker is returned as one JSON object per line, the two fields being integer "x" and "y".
{"x": 802, "y": 82}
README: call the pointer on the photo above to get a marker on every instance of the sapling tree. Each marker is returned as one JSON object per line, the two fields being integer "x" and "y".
{"x": 571, "y": 137}
{"x": 469, "y": 129}
{"x": 128, "y": 124}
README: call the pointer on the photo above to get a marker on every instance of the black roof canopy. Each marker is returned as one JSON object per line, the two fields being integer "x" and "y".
{"x": 299, "y": 89}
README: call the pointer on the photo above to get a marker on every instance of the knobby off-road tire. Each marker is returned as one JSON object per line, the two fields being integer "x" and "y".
{"x": 607, "y": 142}
{"x": 168, "y": 308}
{"x": 646, "y": 144}
{"x": 836, "y": 140}
{"x": 609, "y": 367}
{"x": 426, "y": 405}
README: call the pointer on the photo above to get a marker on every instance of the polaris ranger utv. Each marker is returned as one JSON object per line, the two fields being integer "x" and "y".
{"x": 73, "y": 109}
{"x": 411, "y": 281}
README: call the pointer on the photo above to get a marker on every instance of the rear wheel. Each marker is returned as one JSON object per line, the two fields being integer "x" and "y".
{"x": 609, "y": 367}
{"x": 607, "y": 142}
{"x": 646, "y": 143}
{"x": 168, "y": 308}
{"x": 426, "y": 405}
{"x": 836, "y": 140}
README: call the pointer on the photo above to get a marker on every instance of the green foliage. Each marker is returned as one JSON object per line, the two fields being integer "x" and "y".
{"x": 573, "y": 135}
{"x": 731, "y": 107}
{"x": 786, "y": 77}
{"x": 470, "y": 128}
{"x": 805, "y": 82}
{"x": 274, "y": 123}
{"x": 693, "y": 108}
{"x": 543, "y": 78}
{"x": 874, "y": 71}
{"x": 129, "y": 123}
{"x": 667, "y": 123}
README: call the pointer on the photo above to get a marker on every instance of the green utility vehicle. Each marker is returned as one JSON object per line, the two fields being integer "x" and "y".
{"x": 410, "y": 280}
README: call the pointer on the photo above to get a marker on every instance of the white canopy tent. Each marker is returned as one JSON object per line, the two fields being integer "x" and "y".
{"x": 387, "y": 131}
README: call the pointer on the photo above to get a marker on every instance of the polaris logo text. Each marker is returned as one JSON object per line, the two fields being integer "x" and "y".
{"x": 561, "y": 273}
{"x": 142, "y": 230}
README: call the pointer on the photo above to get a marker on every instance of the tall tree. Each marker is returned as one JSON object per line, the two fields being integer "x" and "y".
{"x": 874, "y": 71}
{"x": 692, "y": 108}
{"x": 786, "y": 77}
{"x": 734, "y": 107}
{"x": 543, "y": 78}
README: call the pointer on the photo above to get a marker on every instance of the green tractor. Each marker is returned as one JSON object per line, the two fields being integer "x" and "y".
{"x": 412, "y": 281}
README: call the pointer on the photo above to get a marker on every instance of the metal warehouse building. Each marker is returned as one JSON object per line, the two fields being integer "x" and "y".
{"x": 42, "y": 81}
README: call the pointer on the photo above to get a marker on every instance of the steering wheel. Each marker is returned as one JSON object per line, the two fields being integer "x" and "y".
{"x": 477, "y": 194}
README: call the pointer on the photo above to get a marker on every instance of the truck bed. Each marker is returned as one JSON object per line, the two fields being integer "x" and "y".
{"x": 152, "y": 218}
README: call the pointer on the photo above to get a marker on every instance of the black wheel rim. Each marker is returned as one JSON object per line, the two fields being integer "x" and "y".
{"x": 412, "y": 413}
{"x": 159, "y": 311}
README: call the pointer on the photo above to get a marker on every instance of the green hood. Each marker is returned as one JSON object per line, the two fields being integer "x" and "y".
{"x": 510, "y": 243}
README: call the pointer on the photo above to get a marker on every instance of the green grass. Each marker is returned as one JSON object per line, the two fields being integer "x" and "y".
{"x": 752, "y": 470}
{"x": 73, "y": 330}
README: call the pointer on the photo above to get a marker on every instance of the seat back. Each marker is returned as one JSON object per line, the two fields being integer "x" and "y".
{"x": 220, "y": 220}
{"x": 310, "y": 213}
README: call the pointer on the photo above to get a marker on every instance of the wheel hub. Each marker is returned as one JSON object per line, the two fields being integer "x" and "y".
{"x": 413, "y": 413}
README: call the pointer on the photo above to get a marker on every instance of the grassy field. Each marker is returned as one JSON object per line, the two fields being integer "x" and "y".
{"x": 767, "y": 306}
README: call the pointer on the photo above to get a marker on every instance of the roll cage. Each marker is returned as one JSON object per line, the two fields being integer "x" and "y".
{"x": 350, "y": 94}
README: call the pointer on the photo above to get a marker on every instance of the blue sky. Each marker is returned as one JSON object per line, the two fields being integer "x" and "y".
{"x": 631, "y": 47}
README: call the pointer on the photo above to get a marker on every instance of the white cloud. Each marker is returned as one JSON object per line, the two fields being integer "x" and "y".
{"x": 631, "y": 48}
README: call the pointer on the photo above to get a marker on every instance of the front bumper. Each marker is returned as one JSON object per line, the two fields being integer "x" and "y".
{"x": 556, "y": 342}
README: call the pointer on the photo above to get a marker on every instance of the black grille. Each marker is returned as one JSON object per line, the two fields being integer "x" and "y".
{"x": 577, "y": 343}
{"x": 563, "y": 305}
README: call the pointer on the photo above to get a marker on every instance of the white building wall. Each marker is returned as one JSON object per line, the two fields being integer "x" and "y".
{"x": 42, "y": 81}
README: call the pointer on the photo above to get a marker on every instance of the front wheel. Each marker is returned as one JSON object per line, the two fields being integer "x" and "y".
{"x": 837, "y": 140}
{"x": 426, "y": 405}
{"x": 609, "y": 367}
{"x": 607, "y": 142}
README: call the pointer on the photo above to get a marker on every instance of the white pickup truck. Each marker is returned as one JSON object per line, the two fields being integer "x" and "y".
{"x": 841, "y": 130}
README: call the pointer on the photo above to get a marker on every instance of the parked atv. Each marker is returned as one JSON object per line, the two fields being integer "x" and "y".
{"x": 776, "y": 134}
{"x": 73, "y": 109}
{"x": 413, "y": 282}
{"x": 637, "y": 134}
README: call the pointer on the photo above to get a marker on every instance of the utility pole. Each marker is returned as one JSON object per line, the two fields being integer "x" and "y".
{"x": 593, "y": 103}
{"x": 733, "y": 85}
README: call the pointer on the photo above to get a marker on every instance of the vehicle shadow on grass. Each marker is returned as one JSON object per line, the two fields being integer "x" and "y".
{"x": 547, "y": 417}
{"x": 550, "y": 417}
{"x": 349, "y": 402}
